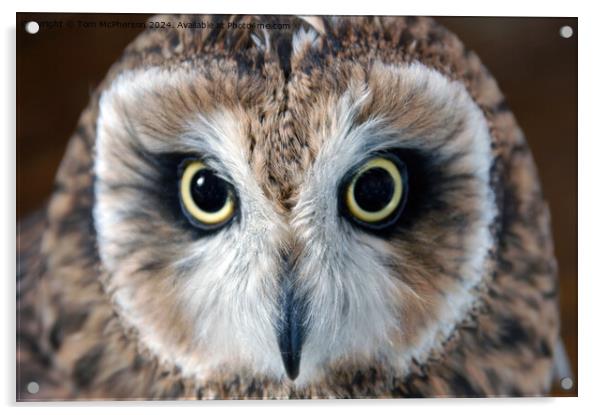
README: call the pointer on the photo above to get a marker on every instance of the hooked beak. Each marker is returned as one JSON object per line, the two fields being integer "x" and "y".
{"x": 291, "y": 330}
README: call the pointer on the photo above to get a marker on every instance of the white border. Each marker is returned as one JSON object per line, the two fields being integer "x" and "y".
{"x": 590, "y": 206}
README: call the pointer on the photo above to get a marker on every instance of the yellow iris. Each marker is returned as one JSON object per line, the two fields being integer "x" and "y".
{"x": 375, "y": 216}
{"x": 212, "y": 217}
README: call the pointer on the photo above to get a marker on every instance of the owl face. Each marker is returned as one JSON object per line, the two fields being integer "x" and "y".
{"x": 286, "y": 223}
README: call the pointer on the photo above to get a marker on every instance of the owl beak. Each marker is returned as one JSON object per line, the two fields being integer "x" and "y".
{"x": 291, "y": 332}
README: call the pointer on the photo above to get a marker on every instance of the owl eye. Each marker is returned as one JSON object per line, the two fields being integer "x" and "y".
{"x": 206, "y": 198}
{"x": 376, "y": 192}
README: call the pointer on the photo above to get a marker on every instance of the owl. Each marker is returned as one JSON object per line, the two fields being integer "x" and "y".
{"x": 290, "y": 207}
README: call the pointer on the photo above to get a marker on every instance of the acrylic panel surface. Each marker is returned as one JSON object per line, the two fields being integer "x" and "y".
{"x": 365, "y": 218}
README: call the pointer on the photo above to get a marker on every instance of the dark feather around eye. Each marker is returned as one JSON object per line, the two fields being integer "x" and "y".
{"x": 423, "y": 178}
{"x": 167, "y": 169}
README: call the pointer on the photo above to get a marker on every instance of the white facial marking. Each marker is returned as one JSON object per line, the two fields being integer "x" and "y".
{"x": 231, "y": 293}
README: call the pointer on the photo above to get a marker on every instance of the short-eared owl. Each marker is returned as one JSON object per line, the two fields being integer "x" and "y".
{"x": 278, "y": 207}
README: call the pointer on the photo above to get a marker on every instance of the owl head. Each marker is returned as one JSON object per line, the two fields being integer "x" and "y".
{"x": 289, "y": 202}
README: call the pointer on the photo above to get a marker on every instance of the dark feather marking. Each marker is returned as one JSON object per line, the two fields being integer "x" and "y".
{"x": 405, "y": 39}
{"x": 544, "y": 348}
{"x": 463, "y": 387}
{"x": 175, "y": 392}
{"x": 86, "y": 367}
{"x": 501, "y": 106}
{"x": 66, "y": 324}
{"x": 154, "y": 50}
{"x": 31, "y": 343}
{"x": 284, "y": 49}
{"x": 200, "y": 392}
{"x": 436, "y": 35}
{"x": 512, "y": 333}
{"x": 174, "y": 39}
{"x": 214, "y": 35}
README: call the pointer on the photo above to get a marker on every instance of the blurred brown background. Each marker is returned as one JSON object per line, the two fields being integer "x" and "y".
{"x": 536, "y": 68}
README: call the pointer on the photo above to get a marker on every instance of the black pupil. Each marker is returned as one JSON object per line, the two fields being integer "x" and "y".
{"x": 374, "y": 189}
{"x": 208, "y": 191}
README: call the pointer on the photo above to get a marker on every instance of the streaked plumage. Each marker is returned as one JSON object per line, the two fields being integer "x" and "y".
{"x": 120, "y": 297}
